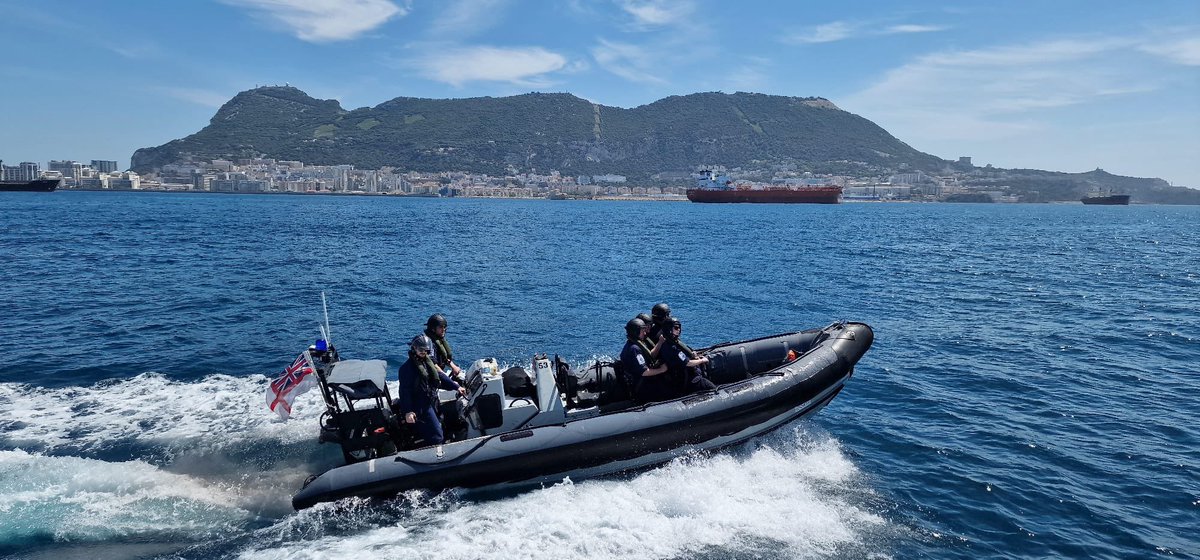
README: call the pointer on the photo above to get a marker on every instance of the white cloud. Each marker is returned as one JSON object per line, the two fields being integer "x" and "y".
{"x": 140, "y": 50}
{"x": 914, "y": 28}
{"x": 657, "y": 13}
{"x": 1069, "y": 105}
{"x": 459, "y": 65}
{"x": 825, "y": 33}
{"x": 467, "y": 17}
{"x": 628, "y": 61}
{"x": 992, "y": 92}
{"x": 1182, "y": 51}
{"x": 323, "y": 21}
{"x": 842, "y": 30}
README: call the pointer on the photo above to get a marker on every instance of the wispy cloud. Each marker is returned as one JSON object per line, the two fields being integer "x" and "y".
{"x": 1066, "y": 104}
{"x": 518, "y": 65}
{"x": 843, "y": 30}
{"x": 202, "y": 97}
{"x": 995, "y": 92}
{"x": 1180, "y": 51}
{"x": 634, "y": 63}
{"x": 139, "y": 51}
{"x": 324, "y": 21}
{"x": 913, "y": 28}
{"x": 467, "y": 17}
{"x": 657, "y": 13}
{"x": 825, "y": 33}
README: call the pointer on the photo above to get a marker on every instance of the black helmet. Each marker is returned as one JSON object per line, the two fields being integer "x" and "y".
{"x": 645, "y": 318}
{"x": 634, "y": 327}
{"x": 421, "y": 342}
{"x": 668, "y": 325}
{"x": 661, "y": 311}
{"x": 435, "y": 320}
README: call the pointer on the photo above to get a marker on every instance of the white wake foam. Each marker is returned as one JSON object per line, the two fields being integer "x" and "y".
{"x": 151, "y": 409}
{"x": 77, "y": 499}
{"x": 799, "y": 501}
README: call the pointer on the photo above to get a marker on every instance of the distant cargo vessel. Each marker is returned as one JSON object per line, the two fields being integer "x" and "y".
{"x": 38, "y": 185}
{"x": 711, "y": 188}
{"x": 1107, "y": 200}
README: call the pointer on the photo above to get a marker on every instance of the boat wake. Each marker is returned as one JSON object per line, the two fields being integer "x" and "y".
{"x": 153, "y": 460}
{"x": 791, "y": 494}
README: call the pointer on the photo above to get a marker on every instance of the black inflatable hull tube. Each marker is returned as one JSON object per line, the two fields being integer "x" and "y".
{"x": 628, "y": 439}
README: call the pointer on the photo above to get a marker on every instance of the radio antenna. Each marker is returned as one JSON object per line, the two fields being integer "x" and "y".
{"x": 327, "y": 332}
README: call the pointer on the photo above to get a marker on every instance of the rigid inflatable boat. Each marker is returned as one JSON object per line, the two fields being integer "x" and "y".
{"x": 521, "y": 428}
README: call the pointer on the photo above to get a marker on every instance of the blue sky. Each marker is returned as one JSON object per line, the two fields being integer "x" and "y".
{"x": 1062, "y": 85}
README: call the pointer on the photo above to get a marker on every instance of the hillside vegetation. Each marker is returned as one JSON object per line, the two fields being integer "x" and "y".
{"x": 543, "y": 132}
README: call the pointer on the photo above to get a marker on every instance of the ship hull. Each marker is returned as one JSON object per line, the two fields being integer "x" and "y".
{"x": 818, "y": 195}
{"x": 1112, "y": 200}
{"x": 40, "y": 185}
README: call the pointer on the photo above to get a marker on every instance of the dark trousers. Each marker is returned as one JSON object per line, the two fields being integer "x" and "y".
{"x": 699, "y": 383}
{"x": 429, "y": 427}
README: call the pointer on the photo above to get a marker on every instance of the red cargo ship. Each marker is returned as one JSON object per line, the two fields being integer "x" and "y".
{"x": 710, "y": 188}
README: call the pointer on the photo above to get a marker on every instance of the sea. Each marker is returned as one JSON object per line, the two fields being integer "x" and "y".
{"x": 1032, "y": 392}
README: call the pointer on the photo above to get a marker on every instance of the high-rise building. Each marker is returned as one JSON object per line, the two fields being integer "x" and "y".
{"x": 104, "y": 166}
{"x": 68, "y": 168}
{"x": 25, "y": 171}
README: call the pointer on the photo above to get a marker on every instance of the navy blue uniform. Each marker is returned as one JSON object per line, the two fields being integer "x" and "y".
{"x": 644, "y": 389}
{"x": 686, "y": 379}
{"x": 418, "y": 397}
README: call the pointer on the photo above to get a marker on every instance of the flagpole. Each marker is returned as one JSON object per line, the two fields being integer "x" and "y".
{"x": 325, "y": 308}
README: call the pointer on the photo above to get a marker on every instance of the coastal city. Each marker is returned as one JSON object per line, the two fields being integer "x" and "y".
{"x": 271, "y": 176}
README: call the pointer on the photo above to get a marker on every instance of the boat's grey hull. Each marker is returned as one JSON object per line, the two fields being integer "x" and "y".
{"x": 629, "y": 439}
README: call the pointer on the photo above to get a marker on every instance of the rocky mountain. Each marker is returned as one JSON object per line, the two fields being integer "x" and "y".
{"x": 558, "y": 131}
{"x": 540, "y": 131}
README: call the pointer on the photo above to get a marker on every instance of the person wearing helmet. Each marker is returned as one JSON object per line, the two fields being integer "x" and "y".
{"x": 420, "y": 380}
{"x": 435, "y": 329}
{"x": 643, "y": 376}
{"x": 659, "y": 314}
{"x": 683, "y": 363}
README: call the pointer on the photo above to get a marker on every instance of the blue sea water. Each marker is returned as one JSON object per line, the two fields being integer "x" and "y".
{"x": 1032, "y": 391}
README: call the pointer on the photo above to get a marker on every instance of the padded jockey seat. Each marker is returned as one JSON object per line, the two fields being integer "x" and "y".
{"x": 359, "y": 380}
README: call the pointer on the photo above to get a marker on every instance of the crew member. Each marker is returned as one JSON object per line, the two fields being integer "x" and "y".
{"x": 652, "y": 343}
{"x": 419, "y": 382}
{"x": 644, "y": 378}
{"x": 435, "y": 329}
{"x": 659, "y": 314}
{"x": 683, "y": 363}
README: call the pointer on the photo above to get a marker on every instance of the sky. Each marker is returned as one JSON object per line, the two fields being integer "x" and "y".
{"x": 1063, "y": 85}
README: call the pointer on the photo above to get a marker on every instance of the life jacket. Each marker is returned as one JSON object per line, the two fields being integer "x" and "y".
{"x": 441, "y": 348}
{"x": 647, "y": 351}
{"x": 427, "y": 372}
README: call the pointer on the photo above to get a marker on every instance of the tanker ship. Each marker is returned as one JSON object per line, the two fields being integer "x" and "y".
{"x": 713, "y": 188}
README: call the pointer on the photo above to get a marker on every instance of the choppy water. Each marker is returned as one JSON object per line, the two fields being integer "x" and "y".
{"x": 1032, "y": 391}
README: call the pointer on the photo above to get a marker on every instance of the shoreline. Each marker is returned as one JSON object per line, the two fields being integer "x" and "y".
{"x": 642, "y": 198}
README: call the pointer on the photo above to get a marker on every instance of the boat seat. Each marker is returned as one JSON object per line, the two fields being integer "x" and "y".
{"x": 358, "y": 379}
{"x": 359, "y": 390}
